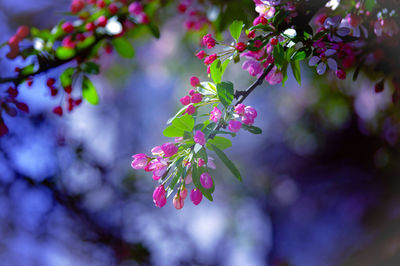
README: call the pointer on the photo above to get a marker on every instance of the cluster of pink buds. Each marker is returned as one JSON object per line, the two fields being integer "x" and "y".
{"x": 193, "y": 97}
{"x": 195, "y": 16}
{"x": 13, "y": 42}
{"x": 10, "y": 105}
{"x": 246, "y": 115}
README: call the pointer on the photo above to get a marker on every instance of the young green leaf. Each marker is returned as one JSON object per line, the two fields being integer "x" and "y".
{"x": 236, "y": 29}
{"x": 123, "y": 47}
{"x": 225, "y": 93}
{"x": 296, "y": 71}
{"x": 91, "y": 68}
{"x": 66, "y": 77}
{"x": 185, "y": 123}
{"x": 279, "y": 55}
{"x": 228, "y": 163}
{"x": 65, "y": 53}
{"x": 221, "y": 142}
{"x": 89, "y": 92}
{"x": 173, "y": 132}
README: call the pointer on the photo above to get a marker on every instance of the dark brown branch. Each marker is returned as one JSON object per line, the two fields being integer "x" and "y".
{"x": 52, "y": 64}
{"x": 244, "y": 94}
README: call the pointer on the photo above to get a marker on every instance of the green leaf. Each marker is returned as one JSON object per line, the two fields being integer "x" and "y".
{"x": 296, "y": 70}
{"x": 228, "y": 163}
{"x": 86, "y": 43}
{"x": 202, "y": 154}
{"x": 217, "y": 69}
{"x": 91, "y": 68}
{"x": 185, "y": 122}
{"x": 221, "y": 142}
{"x": 252, "y": 129}
{"x": 28, "y": 70}
{"x": 65, "y": 53}
{"x": 66, "y": 77}
{"x": 279, "y": 55}
{"x": 154, "y": 30}
{"x": 207, "y": 88}
{"x": 236, "y": 29}
{"x": 173, "y": 132}
{"x": 123, "y": 47}
{"x": 181, "y": 111}
{"x": 299, "y": 55}
{"x": 89, "y": 92}
{"x": 225, "y": 93}
{"x": 261, "y": 27}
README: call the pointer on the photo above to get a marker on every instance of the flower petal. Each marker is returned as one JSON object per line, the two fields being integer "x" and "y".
{"x": 313, "y": 61}
{"x": 332, "y": 64}
{"x": 321, "y": 68}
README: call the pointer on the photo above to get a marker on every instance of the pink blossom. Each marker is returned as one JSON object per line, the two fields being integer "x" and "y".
{"x": 188, "y": 179}
{"x": 196, "y": 98}
{"x": 196, "y": 196}
{"x": 274, "y": 76}
{"x": 194, "y": 81}
{"x": 234, "y": 126}
{"x": 210, "y": 59}
{"x": 215, "y": 115}
{"x": 253, "y": 67}
{"x": 248, "y": 119}
{"x": 199, "y": 137}
{"x": 135, "y": 8}
{"x": 206, "y": 180}
{"x": 159, "y": 167}
{"x": 169, "y": 149}
{"x": 211, "y": 163}
{"x": 178, "y": 202}
{"x": 159, "y": 197}
{"x": 139, "y": 161}
{"x": 185, "y": 100}
{"x": 190, "y": 109}
{"x": 192, "y": 92}
{"x": 239, "y": 109}
{"x": 157, "y": 151}
{"x": 178, "y": 140}
{"x": 250, "y": 111}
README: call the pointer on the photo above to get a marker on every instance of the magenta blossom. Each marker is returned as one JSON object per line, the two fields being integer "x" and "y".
{"x": 190, "y": 109}
{"x": 251, "y": 111}
{"x": 159, "y": 167}
{"x": 194, "y": 81}
{"x": 248, "y": 119}
{"x": 215, "y": 115}
{"x": 201, "y": 162}
{"x": 206, "y": 180}
{"x": 210, "y": 59}
{"x": 159, "y": 197}
{"x": 185, "y": 100}
{"x": 199, "y": 137}
{"x": 209, "y": 41}
{"x": 253, "y": 67}
{"x": 139, "y": 161}
{"x": 196, "y": 196}
{"x": 157, "y": 151}
{"x": 234, "y": 126}
{"x": 169, "y": 149}
{"x": 178, "y": 202}
{"x": 274, "y": 76}
{"x": 239, "y": 109}
{"x": 196, "y": 98}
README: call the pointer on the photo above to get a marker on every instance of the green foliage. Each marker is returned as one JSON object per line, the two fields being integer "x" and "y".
{"x": 65, "y": 53}
{"x": 252, "y": 129}
{"x": 90, "y": 68}
{"x": 220, "y": 142}
{"x": 236, "y": 29}
{"x": 66, "y": 77}
{"x": 185, "y": 123}
{"x": 279, "y": 55}
{"x": 296, "y": 71}
{"x": 196, "y": 172}
{"x": 225, "y": 93}
{"x": 228, "y": 163}
{"x": 123, "y": 47}
{"x": 217, "y": 69}
{"x": 89, "y": 92}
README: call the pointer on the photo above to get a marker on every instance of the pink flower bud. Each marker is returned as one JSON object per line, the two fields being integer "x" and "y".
{"x": 159, "y": 197}
{"x": 196, "y": 196}
{"x": 194, "y": 81}
{"x": 135, "y": 8}
{"x": 183, "y": 193}
{"x": 250, "y": 111}
{"x": 215, "y": 115}
{"x": 206, "y": 180}
{"x": 67, "y": 27}
{"x": 192, "y": 92}
{"x": 169, "y": 149}
{"x": 22, "y": 32}
{"x": 178, "y": 202}
{"x": 210, "y": 59}
{"x": 190, "y": 109}
{"x": 139, "y": 161}
{"x": 201, "y": 54}
{"x": 209, "y": 41}
{"x": 239, "y": 109}
{"x": 101, "y": 21}
{"x": 77, "y": 5}
{"x": 188, "y": 179}
{"x": 185, "y": 100}
{"x": 201, "y": 162}
{"x": 199, "y": 137}
{"x": 196, "y": 98}
{"x": 234, "y": 126}
{"x": 3, "y": 128}
{"x": 248, "y": 119}
{"x": 340, "y": 73}
{"x": 113, "y": 8}
{"x": 240, "y": 46}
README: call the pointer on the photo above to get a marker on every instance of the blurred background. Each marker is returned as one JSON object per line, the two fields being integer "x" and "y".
{"x": 320, "y": 184}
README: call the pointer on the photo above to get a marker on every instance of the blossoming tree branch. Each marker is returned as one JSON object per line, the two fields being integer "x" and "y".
{"x": 334, "y": 38}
